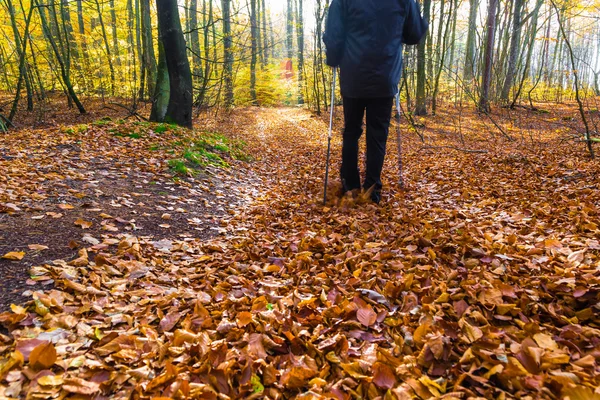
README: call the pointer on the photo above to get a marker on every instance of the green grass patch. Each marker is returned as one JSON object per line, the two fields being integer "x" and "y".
{"x": 179, "y": 167}
{"x": 103, "y": 121}
{"x": 206, "y": 149}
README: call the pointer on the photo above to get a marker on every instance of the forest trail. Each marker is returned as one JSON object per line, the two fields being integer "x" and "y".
{"x": 481, "y": 279}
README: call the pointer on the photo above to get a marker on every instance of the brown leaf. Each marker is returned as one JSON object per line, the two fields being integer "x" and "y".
{"x": 383, "y": 376}
{"x": 80, "y": 386}
{"x": 366, "y": 315}
{"x": 169, "y": 321}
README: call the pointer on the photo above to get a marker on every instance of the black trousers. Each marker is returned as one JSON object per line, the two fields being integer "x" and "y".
{"x": 379, "y": 113}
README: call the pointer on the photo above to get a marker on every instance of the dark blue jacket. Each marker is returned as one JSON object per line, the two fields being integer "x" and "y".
{"x": 364, "y": 38}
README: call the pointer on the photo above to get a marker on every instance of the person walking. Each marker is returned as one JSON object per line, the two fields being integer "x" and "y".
{"x": 364, "y": 39}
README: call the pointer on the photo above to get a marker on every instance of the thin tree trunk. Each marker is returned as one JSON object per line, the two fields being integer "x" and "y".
{"x": 149, "y": 59}
{"x": 227, "y": 53}
{"x": 132, "y": 49}
{"x": 289, "y": 28}
{"x": 195, "y": 40}
{"x": 300, "y": 41}
{"x": 63, "y": 70}
{"x": 470, "y": 57}
{"x": 421, "y": 106}
{"x": 440, "y": 64}
{"x": 515, "y": 42}
{"x": 530, "y": 48}
{"x": 20, "y": 46}
{"x": 265, "y": 39}
{"x": 484, "y": 101}
{"x": 22, "y": 56}
{"x": 115, "y": 37}
{"x": 111, "y": 67}
{"x": 588, "y": 136}
{"x": 254, "y": 49}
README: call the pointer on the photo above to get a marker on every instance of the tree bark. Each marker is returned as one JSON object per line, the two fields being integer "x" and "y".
{"x": 470, "y": 57}
{"x": 148, "y": 57}
{"x": 115, "y": 37}
{"x": 421, "y": 106}
{"x": 289, "y": 28}
{"x": 181, "y": 99}
{"x": 484, "y": 100}
{"x": 254, "y": 50}
{"x": 160, "y": 100}
{"x": 195, "y": 40}
{"x": 228, "y": 53}
{"x": 107, "y": 48}
{"x": 63, "y": 68}
{"x": 515, "y": 42}
{"x": 300, "y": 41}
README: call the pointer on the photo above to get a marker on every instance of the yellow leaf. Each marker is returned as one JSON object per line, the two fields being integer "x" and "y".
{"x": 50, "y": 380}
{"x": 580, "y": 393}
{"x": 14, "y": 255}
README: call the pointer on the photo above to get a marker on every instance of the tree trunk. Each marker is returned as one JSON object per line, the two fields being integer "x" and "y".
{"x": 588, "y": 135}
{"x": 181, "y": 99}
{"x": 289, "y": 28}
{"x": 484, "y": 100}
{"x": 440, "y": 64}
{"x": 22, "y": 57}
{"x": 160, "y": 100}
{"x": 300, "y": 40}
{"x": 530, "y": 48}
{"x": 421, "y": 106}
{"x": 130, "y": 42}
{"x": 265, "y": 39}
{"x": 253, "y": 34}
{"x": 470, "y": 56}
{"x": 115, "y": 37}
{"x": 107, "y": 49}
{"x": 63, "y": 69}
{"x": 149, "y": 59}
{"x": 195, "y": 40}
{"x": 228, "y": 53}
{"x": 21, "y": 47}
{"x": 515, "y": 42}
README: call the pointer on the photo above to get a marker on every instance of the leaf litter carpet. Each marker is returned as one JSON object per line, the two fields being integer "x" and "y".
{"x": 481, "y": 280}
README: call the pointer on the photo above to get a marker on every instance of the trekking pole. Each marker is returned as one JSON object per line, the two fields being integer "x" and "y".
{"x": 330, "y": 136}
{"x": 399, "y": 142}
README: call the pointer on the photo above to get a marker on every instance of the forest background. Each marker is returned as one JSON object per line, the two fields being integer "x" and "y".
{"x": 270, "y": 53}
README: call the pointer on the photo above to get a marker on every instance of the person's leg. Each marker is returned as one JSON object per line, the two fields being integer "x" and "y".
{"x": 379, "y": 113}
{"x": 354, "y": 111}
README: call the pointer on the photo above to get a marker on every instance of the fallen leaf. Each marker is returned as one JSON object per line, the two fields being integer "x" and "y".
{"x": 14, "y": 255}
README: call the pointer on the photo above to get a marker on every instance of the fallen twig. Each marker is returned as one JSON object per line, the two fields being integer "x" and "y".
{"x": 132, "y": 112}
{"x": 454, "y": 148}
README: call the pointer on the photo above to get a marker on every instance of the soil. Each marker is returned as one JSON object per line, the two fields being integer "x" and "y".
{"x": 60, "y": 192}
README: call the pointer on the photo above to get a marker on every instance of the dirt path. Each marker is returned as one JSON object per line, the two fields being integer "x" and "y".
{"x": 86, "y": 186}
{"x": 481, "y": 280}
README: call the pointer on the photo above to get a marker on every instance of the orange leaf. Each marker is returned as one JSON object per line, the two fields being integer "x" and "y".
{"x": 43, "y": 356}
{"x": 243, "y": 319}
{"x": 83, "y": 224}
